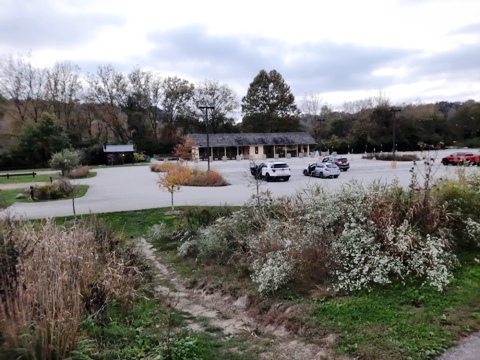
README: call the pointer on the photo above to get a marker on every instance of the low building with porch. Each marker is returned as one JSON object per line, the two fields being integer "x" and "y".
{"x": 251, "y": 145}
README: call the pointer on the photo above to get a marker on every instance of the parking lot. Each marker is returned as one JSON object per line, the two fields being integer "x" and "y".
{"x": 134, "y": 187}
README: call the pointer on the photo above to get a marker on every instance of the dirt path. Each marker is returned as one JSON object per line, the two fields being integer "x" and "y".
{"x": 231, "y": 316}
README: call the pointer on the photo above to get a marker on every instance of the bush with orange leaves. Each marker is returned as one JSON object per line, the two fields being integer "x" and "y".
{"x": 178, "y": 175}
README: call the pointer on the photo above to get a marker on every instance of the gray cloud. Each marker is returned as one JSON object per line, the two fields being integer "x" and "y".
{"x": 26, "y": 24}
{"x": 317, "y": 67}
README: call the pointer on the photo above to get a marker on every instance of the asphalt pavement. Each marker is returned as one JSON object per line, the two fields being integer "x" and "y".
{"x": 135, "y": 187}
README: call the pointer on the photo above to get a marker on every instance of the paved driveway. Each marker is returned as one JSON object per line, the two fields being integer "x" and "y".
{"x": 134, "y": 187}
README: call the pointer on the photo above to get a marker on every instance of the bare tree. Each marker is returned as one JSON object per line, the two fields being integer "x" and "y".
{"x": 108, "y": 89}
{"x": 312, "y": 104}
{"x": 222, "y": 98}
{"x": 177, "y": 103}
{"x": 24, "y": 85}
{"x": 146, "y": 93}
{"x": 64, "y": 88}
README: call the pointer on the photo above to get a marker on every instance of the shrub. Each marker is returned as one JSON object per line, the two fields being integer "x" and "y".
{"x": 59, "y": 189}
{"x": 361, "y": 237}
{"x": 139, "y": 157}
{"x": 47, "y": 192}
{"x": 196, "y": 177}
{"x": 461, "y": 195}
{"x": 65, "y": 160}
{"x": 161, "y": 167}
{"x": 206, "y": 178}
{"x": 197, "y": 217}
{"x": 389, "y": 156}
{"x": 93, "y": 155}
{"x": 79, "y": 173}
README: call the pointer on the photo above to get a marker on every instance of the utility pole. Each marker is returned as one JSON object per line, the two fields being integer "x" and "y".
{"x": 394, "y": 145}
{"x": 206, "y": 108}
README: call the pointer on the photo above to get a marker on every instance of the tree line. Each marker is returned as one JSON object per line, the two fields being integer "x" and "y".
{"x": 153, "y": 112}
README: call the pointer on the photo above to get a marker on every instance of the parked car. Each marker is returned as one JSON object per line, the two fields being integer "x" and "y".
{"x": 270, "y": 171}
{"x": 341, "y": 161}
{"x": 322, "y": 170}
{"x": 462, "y": 158}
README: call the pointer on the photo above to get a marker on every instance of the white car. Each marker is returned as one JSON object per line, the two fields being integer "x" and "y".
{"x": 322, "y": 170}
{"x": 271, "y": 171}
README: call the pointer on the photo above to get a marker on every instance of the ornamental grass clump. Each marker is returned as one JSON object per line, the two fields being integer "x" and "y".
{"x": 51, "y": 279}
{"x": 79, "y": 172}
{"x": 58, "y": 189}
{"x": 162, "y": 167}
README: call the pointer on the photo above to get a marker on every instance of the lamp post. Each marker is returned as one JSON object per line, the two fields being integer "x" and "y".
{"x": 394, "y": 145}
{"x": 319, "y": 120}
{"x": 206, "y": 108}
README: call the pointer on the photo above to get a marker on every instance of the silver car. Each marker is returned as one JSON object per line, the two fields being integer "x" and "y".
{"x": 322, "y": 170}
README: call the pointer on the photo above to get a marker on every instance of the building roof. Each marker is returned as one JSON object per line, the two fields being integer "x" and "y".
{"x": 252, "y": 139}
{"x": 117, "y": 148}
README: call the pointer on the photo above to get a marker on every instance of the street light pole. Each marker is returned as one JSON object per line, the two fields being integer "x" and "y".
{"x": 206, "y": 108}
{"x": 394, "y": 145}
{"x": 319, "y": 120}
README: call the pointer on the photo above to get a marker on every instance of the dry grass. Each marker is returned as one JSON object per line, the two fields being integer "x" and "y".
{"x": 79, "y": 173}
{"x": 206, "y": 178}
{"x": 50, "y": 278}
{"x": 162, "y": 167}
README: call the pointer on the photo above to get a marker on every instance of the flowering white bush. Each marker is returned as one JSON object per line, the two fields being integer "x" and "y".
{"x": 273, "y": 273}
{"x": 345, "y": 239}
{"x": 363, "y": 261}
{"x": 473, "y": 230}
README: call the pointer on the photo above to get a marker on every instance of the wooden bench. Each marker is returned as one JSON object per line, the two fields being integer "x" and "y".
{"x": 7, "y": 175}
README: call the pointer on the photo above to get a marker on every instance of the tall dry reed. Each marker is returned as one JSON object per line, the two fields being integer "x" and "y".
{"x": 50, "y": 276}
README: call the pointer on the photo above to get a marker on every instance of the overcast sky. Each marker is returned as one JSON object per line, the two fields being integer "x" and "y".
{"x": 344, "y": 50}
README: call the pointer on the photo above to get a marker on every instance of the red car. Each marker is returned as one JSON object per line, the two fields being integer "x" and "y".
{"x": 462, "y": 158}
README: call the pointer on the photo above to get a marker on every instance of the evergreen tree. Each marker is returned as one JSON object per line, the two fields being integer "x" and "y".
{"x": 40, "y": 141}
{"x": 269, "y": 105}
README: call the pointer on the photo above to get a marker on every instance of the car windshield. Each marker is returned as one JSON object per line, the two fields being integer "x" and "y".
{"x": 280, "y": 166}
{"x": 332, "y": 166}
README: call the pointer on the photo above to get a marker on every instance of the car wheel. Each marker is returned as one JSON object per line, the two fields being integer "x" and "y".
{"x": 337, "y": 175}
{"x": 445, "y": 162}
{"x": 305, "y": 172}
{"x": 268, "y": 177}
{"x": 286, "y": 178}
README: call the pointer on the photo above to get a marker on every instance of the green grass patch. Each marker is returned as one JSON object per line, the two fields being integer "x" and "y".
{"x": 8, "y": 196}
{"x": 404, "y": 322}
{"x": 28, "y": 179}
{"x": 135, "y": 223}
{"x": 37, "y": 179}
